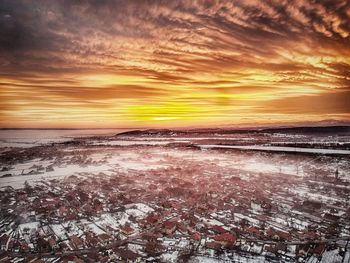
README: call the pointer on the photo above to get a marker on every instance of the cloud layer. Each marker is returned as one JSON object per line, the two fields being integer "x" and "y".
{"x": 173, "y": 63}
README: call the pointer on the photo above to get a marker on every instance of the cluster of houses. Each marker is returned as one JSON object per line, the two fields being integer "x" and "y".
{"x": 178, "y": 210}
{"x": 183, "y": 210}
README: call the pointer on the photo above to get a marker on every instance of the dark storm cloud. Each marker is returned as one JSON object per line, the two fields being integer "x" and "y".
{"x": 23, "y": 27}
{"x": 52, "y": 28}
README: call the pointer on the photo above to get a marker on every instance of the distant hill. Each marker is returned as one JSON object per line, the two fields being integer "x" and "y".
{"x": 308, "y": 130}
{"x": 223, "y": 131}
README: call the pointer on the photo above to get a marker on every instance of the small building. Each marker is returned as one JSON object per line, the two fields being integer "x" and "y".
{"x": 52, "y": 243}
{"x": 196, "y": 236}
{"x": 127, "y": 230}
{"x": 169, "y": 227}
{"x": 219, "y": 229}
{"x": 213, "y": 245}
{"x": 225, "y": 239}
{"x": 104, "y": 238}
{"x": 76, "y": 242}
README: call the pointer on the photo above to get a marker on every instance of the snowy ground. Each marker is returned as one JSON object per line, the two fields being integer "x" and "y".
{"x": 94, "y": 159}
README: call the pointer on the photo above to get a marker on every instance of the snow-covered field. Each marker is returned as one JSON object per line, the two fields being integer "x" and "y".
{"x": 94, "y": 159}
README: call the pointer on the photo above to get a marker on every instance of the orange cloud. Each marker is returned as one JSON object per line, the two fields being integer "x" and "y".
{"x": 180, "y": 63}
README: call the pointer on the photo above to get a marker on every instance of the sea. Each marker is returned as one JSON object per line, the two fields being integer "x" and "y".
{"x": 34, "y": 137}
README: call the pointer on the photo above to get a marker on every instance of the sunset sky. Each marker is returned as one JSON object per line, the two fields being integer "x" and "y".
{"x": 173, "y": 63}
